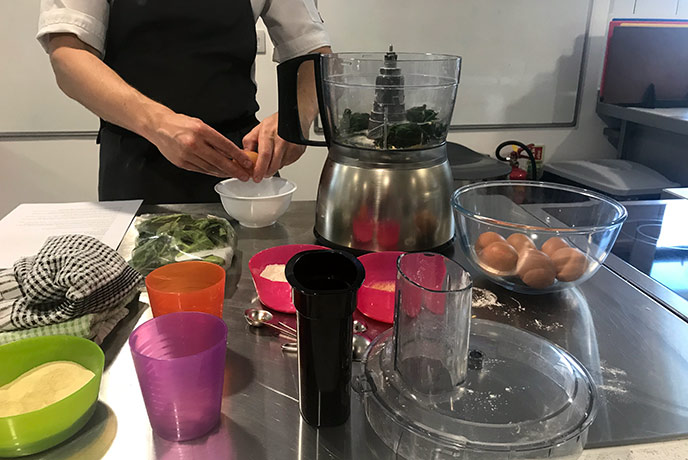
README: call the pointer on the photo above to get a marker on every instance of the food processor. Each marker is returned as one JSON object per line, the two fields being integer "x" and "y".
{"x": 386, "y": 183}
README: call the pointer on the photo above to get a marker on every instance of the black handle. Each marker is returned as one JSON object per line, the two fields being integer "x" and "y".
{"x": 289, "y": 122}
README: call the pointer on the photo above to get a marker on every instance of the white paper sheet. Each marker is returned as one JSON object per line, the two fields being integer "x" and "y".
{"x": 24, "y": 230}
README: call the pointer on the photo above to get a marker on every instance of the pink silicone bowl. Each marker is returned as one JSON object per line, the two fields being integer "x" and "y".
{"x": 375, "y": 299}
{"x": 275, "y": 294}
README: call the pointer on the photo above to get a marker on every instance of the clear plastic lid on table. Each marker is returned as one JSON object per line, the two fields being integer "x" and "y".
{"x": 523, "y": 397}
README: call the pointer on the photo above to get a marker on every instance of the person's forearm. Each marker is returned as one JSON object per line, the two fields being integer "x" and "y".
{"x": 185, "y": 141}
{"x": 82, "y": 76}
{"x": 273, "y": 151}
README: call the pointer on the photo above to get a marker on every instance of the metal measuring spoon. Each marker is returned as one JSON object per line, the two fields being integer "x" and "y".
{"x": 359, "y": 327}
{"x": 257, "y": 318}
{"x": 290, "y": 347}
{"x": 358, "y": 348}
{"x": 360, "y": 345}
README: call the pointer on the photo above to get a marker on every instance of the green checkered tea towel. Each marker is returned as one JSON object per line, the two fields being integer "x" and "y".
{"x": 92, "y": 326}
{"x": 73, "y": 279}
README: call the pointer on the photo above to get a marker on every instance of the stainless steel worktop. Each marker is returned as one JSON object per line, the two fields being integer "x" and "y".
{"x": 636, "y": 349}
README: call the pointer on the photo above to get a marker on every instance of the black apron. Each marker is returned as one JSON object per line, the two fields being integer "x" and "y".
{"x": 194, "y": 57}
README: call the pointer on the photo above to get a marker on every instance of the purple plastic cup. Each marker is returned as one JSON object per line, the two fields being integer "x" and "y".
{"x": 180, "y": 361}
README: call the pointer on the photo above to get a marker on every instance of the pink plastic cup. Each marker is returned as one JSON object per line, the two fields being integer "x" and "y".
{"x": 180, "y": 361}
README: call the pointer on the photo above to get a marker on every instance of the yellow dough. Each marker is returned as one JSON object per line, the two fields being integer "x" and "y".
{"x": 387, "y": 286}
{"x": 42, "y": 386}
{"x": 274, "y": 272}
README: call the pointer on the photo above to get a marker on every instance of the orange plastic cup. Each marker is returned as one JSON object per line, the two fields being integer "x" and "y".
{"x": 186, "y": 286}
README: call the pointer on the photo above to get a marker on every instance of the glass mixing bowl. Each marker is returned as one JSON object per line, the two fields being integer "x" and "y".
{"x": 535, "y": 237}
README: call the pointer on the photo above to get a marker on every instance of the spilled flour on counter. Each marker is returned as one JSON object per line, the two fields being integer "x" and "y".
{"x": 615, "y": 381}
{"x": 547, "y": 327}
{"x": 616, "y": 373}
{"x": 616, "y": 390}
{"x": 483, "y": 298}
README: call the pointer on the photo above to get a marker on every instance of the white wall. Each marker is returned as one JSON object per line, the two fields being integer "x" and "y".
{"x": 581, "y": 142}
{"x": 66, "y": 170}
{"x": 47, "y": 171}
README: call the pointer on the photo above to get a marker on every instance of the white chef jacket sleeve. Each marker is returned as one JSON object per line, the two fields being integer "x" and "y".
{"x": 295, "y": 27}
{"x": 87, "y": 19}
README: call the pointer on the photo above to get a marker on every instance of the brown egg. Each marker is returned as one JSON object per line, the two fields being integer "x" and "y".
{"x": 499, "y": 258}
{"x": 253, "y": 156}
{"x": 535, "y": 269}
{"x": 550, "y": 246}
{"x": 520, "y": 242}
{"x": 487, "y": 238}
{"x": 570, "y": 263}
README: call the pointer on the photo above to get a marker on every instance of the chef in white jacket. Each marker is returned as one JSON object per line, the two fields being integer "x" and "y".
{"x": 172, "y": 81}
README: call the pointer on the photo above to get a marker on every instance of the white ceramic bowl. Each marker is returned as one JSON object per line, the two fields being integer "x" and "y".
{"x": 256, "y": 205}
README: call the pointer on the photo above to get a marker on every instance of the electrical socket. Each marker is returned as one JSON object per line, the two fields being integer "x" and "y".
{"x": 260, "y": 42}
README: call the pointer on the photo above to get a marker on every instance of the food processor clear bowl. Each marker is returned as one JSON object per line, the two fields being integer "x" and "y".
{"x": 389, "y": 101}
{"x": 523, "y": 398}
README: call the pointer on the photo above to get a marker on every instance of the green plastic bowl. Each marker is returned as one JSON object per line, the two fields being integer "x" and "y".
{"x": 42, "y": 429}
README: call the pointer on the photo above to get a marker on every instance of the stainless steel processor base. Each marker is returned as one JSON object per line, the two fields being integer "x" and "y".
{"x": 385, "y": 203}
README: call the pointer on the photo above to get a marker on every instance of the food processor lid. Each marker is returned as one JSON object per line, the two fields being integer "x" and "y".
{"x": 450, "y": 65}
{"x": 522, "y": 393}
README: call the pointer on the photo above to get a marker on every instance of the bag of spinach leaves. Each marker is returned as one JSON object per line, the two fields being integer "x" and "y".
{"x": 163, "y": 239}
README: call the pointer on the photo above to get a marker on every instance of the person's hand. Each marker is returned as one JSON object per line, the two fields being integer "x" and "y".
{"x": 191, "y": 144}
{"x": 273, "y": 151}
